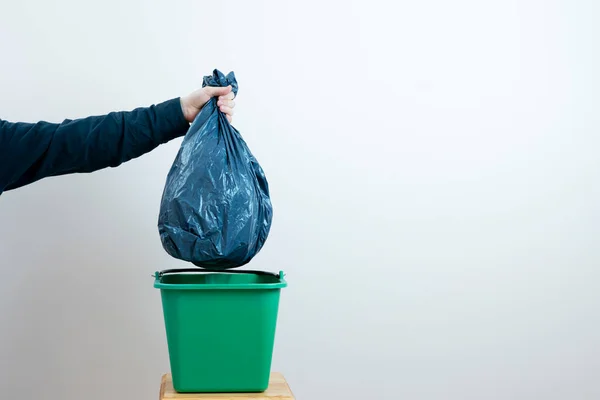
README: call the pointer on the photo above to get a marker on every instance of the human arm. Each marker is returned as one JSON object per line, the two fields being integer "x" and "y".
{"x": 33, "y": 151}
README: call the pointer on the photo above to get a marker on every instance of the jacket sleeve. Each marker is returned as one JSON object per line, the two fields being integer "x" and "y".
{"x": 30, "y": 152}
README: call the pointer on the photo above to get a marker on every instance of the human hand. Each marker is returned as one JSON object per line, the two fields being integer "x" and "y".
{"x": 193, "y": 103}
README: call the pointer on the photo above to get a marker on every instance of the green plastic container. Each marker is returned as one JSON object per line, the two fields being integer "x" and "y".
{"x": 220, "y": 328}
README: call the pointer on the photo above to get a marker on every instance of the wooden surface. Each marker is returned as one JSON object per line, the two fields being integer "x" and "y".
{"x": 278, "y": 390}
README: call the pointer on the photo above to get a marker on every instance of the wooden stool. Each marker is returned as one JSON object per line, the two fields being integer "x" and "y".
{"x": 278, "y": 390}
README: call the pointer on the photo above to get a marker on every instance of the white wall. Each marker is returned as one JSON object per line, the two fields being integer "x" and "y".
{"x": 435, "y": 172}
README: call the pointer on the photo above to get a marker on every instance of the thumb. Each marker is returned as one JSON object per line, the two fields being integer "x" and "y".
{"x": 213, "y": 91}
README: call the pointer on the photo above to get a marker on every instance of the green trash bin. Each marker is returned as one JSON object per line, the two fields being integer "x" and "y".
{"x": 220, "y": 328}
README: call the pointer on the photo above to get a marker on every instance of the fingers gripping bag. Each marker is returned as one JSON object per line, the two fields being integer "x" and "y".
{"x": 215, "y": 210}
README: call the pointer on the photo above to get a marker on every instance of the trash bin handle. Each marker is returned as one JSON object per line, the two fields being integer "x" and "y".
{"x": 226, "y": 271}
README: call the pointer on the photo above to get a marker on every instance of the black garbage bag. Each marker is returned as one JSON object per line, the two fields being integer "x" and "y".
{"x": 215, "y": 210}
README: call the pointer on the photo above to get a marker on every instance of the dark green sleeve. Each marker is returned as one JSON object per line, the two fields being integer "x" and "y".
{"x": 30, "y": 152}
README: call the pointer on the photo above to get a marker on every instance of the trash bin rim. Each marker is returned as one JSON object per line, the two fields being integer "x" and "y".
{"x": 158, "y": 284}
